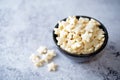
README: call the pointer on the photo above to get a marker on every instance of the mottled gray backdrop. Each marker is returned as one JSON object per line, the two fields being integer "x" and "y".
{"x": 27, "y": 24}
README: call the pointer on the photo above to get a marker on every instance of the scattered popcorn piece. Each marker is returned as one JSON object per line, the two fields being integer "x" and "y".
{"x": 39, "y": 63}
{"x": 42, "y": 50}
{"x": 52, "y": 66}
{"x": 49, "y": 56}
{"x": 51, "y": 52}
{"x": 34, "y": 58}
{"x": 80, "y": 36}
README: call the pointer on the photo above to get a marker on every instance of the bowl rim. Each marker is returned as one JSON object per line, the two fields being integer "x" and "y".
{"x": 83, "y": 55}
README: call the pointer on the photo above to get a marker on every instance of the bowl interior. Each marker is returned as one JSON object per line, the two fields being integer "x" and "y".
{"x": 83, "y": 55}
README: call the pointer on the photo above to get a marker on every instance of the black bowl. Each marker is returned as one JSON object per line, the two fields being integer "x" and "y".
{"x": 82, "y": 57}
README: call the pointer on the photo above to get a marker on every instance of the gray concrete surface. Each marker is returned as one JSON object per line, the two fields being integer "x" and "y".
{"x": 27, "y": 24}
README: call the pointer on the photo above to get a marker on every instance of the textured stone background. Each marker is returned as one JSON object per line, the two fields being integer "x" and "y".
{"x": 27, "y": 24}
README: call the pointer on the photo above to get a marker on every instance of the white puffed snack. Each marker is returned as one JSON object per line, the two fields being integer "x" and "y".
{"x": 34, "y": 58}
{"x": 44, "y": 56}
{"x": 42, "y": 50}
{"x": 49, "y": 55}
{"x": 86, "y": 36}
{"x": 52, "y": 66}
{"x": 37, "y": 61}
{"x": 79, "y": 36}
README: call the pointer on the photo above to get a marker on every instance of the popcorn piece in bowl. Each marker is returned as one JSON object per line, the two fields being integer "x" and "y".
{"x": 80, "y": 36}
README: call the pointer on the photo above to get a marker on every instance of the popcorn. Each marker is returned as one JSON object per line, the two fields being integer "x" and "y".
{"x": 72, "y": 20}
{"x": 90, "y": 26}
{"x": 80, "y": 36}
{"x": 42, "y": 50}
{"x": 99, "y": 37}
{"x": 70, "y": 42}
{"x": 86, "y": 36}
{"x": 90, "y": 50}
{"x": 76, "y": 45}
{"x": 52, "y": 66}
{"x": 57, "y": 31}
{"x": 98, "y": 46}
{"x": 94, "y": 21}
{"x": 39, "y": 63}
{"x": 34, "y": 58}
{"x": 61, "y": 40}
{"x": 69, "y": 27}
{"x": 70, "y": 36}
{"x": 78, "y": 29}
{"x": 51, "y": 52}
{"x": 83, "y": 20}
{"x": 49, "y": 55}
{"x": 63, "y": 34}
{"x": 61, "y": 24}
{"x": 44, "y": 56}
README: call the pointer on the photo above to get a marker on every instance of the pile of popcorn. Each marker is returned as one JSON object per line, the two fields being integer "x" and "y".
{"x": 79, "y": 36}
{"x": 44, "y": 56}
